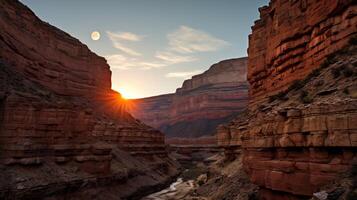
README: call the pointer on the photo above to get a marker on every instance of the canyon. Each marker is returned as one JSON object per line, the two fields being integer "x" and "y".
{"x": 200, "y": 105}
{"x": 277, "y": 125}
{"x": 64, "y": 132}
{"x": 299, "y": 132}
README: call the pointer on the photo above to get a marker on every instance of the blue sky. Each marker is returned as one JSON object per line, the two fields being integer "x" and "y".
{"x": 153, "y": 45}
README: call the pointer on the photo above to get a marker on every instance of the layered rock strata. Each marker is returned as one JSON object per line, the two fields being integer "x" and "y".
{"x": 64, "y": 132}
{"x": 292, "y": 38}
{"x": 194, "y": 149}
{"x": 298, "y": 136}
{"x": 202, "y": 103}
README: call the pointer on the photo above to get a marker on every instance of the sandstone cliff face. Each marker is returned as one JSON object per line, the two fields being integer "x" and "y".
{"x": 305, "y": 136}
{"x": 47, "y": 55}
{"x": 201, "y": 104}
{"x": 233, "y": 70}
{"x": 62, "y": 127}
{"x": 153, "y": 110}
{"x": 292, "y": 38}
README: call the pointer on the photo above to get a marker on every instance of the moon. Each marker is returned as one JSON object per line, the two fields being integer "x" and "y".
{"x": 95, "y": 35}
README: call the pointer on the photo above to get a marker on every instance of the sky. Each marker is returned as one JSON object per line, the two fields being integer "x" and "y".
{"x": 152, "y": 46}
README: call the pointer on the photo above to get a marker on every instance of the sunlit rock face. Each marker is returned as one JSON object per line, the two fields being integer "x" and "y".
{"x": 305, "y": 137}
{"x": 292, "y": 38}
{"x": 201, "y": 104}
{"x": 61, "y": 125}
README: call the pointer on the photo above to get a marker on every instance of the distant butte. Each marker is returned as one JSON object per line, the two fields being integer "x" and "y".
{"x": 201, "y": 104}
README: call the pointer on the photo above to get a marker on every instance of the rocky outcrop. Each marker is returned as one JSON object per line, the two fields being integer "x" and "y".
{"x": 292, "y": 38}
{"x": 299, "y": 133}
{"x": 64, "y": 132}
{"x": 201, "y": 104}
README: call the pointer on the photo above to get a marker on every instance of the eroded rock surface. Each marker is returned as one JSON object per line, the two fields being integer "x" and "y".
{"x": 64, "y": 132}
{"x": 292, "y": 38}
{"x": 202, "y": 103}
{"x": 298, "y": 136}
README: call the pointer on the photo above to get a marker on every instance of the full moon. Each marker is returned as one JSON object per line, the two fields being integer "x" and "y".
{"x": 95, "y": 35}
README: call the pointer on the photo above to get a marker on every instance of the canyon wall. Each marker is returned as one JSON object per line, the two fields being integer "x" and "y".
{"x": 203, "y": 102}
{"x": 299, "y": 133}
{"x": 292, "y": 38}
{"x": 49, "y": 56}
{"x": 64, "y": 132}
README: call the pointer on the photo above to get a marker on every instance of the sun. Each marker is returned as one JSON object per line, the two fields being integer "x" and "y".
{"x": 127, "y": 93}
{"x": 123, "y": 96}
{"x": 95, "y": 35}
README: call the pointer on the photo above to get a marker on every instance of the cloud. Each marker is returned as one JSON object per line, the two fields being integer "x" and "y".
{"x": 117, "y": 39}
{"x": 181, "y": 42}
{"x": 185, "y": 75}
{"x": 172, "y": 58}
{"x": 189, "y": 40}
{"x": 127, "y": 36}
{"x": 125, "y": 49}
{"x": 153, "y": 64}
{"x": 118, "y": 61}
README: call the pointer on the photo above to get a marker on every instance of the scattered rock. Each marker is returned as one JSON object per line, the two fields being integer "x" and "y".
{"x": 202, "y": 179}
{"x": 320, "y": 195}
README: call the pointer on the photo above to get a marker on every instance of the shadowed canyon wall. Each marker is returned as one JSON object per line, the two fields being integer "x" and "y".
{"x": 298, "y": 135}
{"x": 62, "y": 127}
{"x": 202, "y": 103}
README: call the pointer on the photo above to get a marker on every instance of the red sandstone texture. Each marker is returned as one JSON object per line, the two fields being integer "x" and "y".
{"x": 62, "y": 127}
{"x": 201, "y": 104}
{"x": 305, "y": 137}
{"x": 50, "y": 56}
{"x": 292, "y": 38}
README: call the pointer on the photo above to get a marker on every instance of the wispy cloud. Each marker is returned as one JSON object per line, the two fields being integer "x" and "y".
{"x": 128, "y": 36}
{"x": 172, "y": 58}
{"x": 190, "y": 40}
{"x": 153, "y": 64}
{"x": 118, "y": 38}
{"x": 185, "y": 40}
{"x": 118, "y": 61}
{"x": 126, "y": 50}
{"x": 185, "y": 75}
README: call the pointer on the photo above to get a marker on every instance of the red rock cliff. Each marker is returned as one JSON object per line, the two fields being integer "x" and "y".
{"x": 202, "y": 102}
{"x": 62, "y": 127}
{"x": 49, "y": 56}
{"x": 304, "y": 137}
{"x": 292, "y": 38}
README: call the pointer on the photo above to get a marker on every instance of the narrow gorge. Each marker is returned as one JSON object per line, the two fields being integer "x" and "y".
{"x": 279, "y": 124}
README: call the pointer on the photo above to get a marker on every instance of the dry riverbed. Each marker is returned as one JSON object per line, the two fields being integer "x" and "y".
{"x": 219, "y": 180}
{"x": 177, "y": 190}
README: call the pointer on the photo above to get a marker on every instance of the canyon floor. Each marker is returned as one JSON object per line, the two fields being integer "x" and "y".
{"x": 208, "y": 176}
